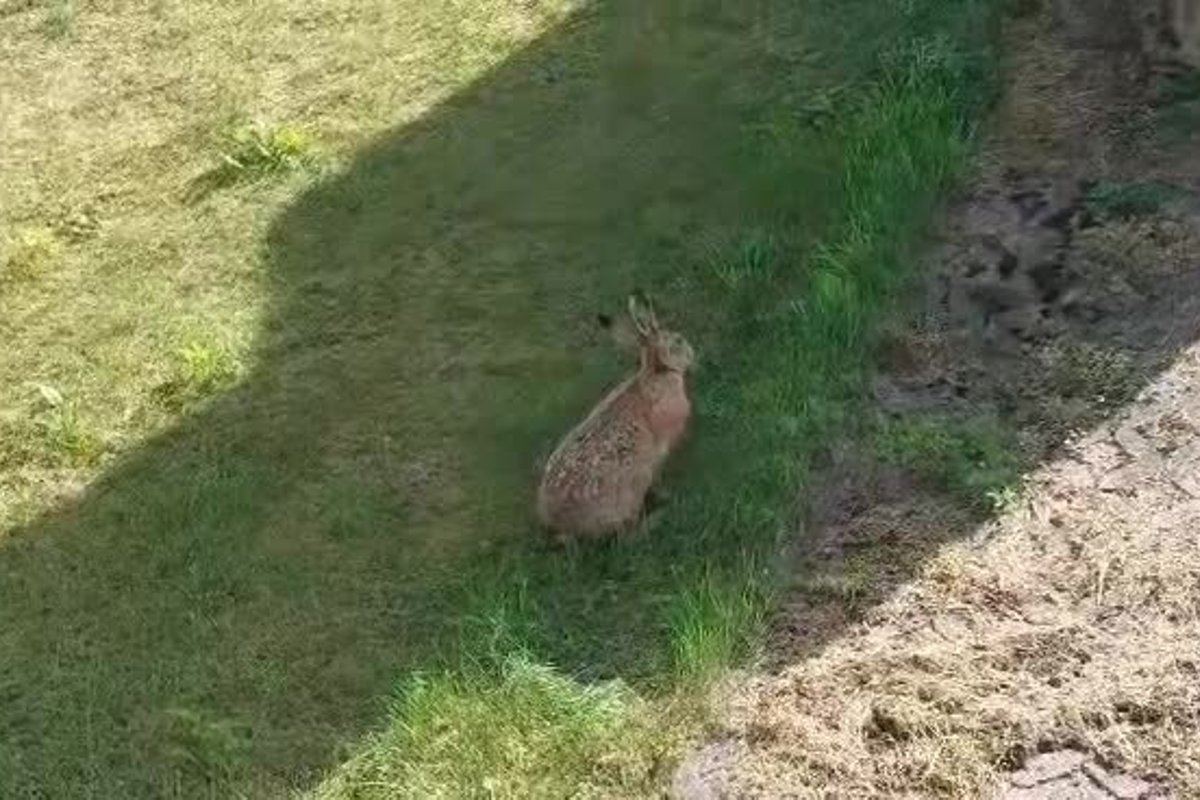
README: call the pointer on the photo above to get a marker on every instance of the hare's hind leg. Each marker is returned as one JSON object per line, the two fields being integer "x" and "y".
{"x": 653, "y": 510}
{"x": 655, "y": 499}
{"x": 556, "y": 539}
{"x": 655, "y": 506}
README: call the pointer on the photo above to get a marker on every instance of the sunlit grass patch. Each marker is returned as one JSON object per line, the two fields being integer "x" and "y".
{"x": 52, "y": 431}
{"x": 250, "y": 152}
{"x": 203, "y": 365}
{"x": 29, "y": 253}
{"x": 521, "y": 729}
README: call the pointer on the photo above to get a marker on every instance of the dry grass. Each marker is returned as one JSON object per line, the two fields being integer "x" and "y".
{"x": 1139, "y": 254}
{"x": 1074, "y": 624}
{"x": 104, "y": 270}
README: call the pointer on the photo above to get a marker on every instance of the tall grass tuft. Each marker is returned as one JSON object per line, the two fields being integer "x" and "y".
{"x": 714, "y": 623}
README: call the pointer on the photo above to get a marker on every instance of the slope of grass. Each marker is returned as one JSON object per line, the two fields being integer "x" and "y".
{"x": 268, "y": 445}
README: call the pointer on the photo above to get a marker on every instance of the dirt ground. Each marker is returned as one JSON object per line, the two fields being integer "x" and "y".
{"x": 1051, "y": 649}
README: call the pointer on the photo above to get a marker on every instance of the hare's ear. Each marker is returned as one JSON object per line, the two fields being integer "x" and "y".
{"x": 641, "y": 312}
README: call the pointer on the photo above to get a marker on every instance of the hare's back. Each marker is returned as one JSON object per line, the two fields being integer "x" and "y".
{"x": 599, "y": 451}
{"x": 599, "y": 476}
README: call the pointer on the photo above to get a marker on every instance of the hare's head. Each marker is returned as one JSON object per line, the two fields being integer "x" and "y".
{"x": 662, "y": 350}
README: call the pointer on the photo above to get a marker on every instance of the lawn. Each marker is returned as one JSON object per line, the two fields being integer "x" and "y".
{"x": 294, "y": 298}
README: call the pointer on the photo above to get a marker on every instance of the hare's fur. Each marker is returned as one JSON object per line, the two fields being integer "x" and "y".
{"x": 595, "y": 483}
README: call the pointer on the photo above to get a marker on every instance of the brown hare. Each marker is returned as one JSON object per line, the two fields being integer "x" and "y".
{"x": 596, "y": 480}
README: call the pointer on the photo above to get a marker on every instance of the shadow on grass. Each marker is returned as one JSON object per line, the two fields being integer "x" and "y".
{"x": 224, "y": 610}
{"x": 231, "y": 603}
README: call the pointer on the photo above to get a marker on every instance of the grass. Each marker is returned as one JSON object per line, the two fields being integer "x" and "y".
{"x": 65, "y": 437}
{"x": 1101, "y": 375}
{"x": 902, "y": 142}
{"x": 29, "y": 254}
{"x": 204, "y": 367}
{"x": 255, "y": 152}
{"x": 60, "y": 18}
{"x": 974, "y": 459}
{"x": 525, "y": 731}
{"x": 713, "y": 622}
{"x": 51, "y": 434}
{"x": 1179, "y": 106}
{"x": 1128, "y": 200}
{"x": 333, "y": 488}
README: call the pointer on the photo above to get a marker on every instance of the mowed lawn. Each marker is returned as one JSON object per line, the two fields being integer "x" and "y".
{"x": 293, "y": 299}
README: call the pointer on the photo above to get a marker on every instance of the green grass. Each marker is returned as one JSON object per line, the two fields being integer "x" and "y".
{"x": 1129, "y": 200}
{"x": 60, "y": 18}
{"x": 53, "y": 434}
{"x": 204, "y": 367}
{"x": 520, "y": 730}
{"x": 714, "y": 621}
{"x": 1179, "y": 106}
{"x": 973, "y": 458}
{"x": 65, "y": 436}
{"x": 247, "y": 153}
{"x": 798, "y": 338}
{"x": 364, "y": 363}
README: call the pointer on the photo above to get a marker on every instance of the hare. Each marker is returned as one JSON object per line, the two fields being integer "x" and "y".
{"x": 596, "y": 481}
